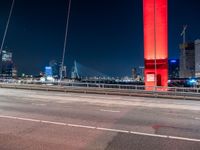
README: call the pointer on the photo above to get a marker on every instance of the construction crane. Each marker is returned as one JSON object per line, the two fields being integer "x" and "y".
{"x": 183, "y": 34}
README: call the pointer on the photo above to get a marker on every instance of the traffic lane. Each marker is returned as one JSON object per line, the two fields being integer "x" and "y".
{"x": 114, "y": 108}
{"x": 24, "y": 135}
{"x": 71, "y": 112}
{"x": 133, "y": 118}
{"x": 82, "y": 106}
{"x": 137, "y": 142}
{"x": 101, "y": 99}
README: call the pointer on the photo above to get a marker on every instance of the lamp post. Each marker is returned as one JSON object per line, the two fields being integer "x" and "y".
{"x": 155, "y": 61}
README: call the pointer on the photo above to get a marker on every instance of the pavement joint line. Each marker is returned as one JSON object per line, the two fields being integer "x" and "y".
{"x": 112, "y": 111}
{"x": 100, "y": 128}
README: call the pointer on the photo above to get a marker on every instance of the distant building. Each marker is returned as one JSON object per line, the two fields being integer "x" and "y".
{"x": 6, "y": 56}
{"x": 134, "y": 73}
{"x": 14, "y": 72}
{"x": 142, "y": 72}
{"x": 63, "y": 71}
{"x": 48, "y": 71}
{"x": 7, "y": 64}
{"x": 197, "y": 58}
{"x": 55, "y": 68}
{"x": 187, "y": 60}
{"x": 173, "y": 68}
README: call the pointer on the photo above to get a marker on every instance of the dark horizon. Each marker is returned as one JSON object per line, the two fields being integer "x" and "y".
{"x": 105, "y": 36}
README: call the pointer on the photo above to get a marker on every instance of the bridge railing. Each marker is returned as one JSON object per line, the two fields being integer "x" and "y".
{"x": 120, "y": 88}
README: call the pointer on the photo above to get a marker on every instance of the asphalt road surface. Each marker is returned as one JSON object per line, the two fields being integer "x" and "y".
{"x": 39, "y": 120}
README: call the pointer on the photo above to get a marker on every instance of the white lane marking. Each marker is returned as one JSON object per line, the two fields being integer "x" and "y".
{"x": 61, "y": 102}
{"x": 55, "y": 123}
{"x": 100, "y": 128}
{"x": 113, "y": 130}
{"x": 112, "y": 111}
{"x": 18, "y": 118}
{"x": 27, "y": 119}
{"x": 8, "y": 117}
{"x": 184, "y": 139}
{"x": 81, "y": 126}
{"x": 148, "y": 134}
{"x": 38, "y": 104}
{"x": 197, "y": 118}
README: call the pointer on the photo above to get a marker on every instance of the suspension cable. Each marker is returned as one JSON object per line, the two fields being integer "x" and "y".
{"x": 65, "y": 41}
{"x": 7, "y": 25}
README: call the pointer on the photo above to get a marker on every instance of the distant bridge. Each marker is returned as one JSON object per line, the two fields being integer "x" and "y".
{"x": 81, "y": 71}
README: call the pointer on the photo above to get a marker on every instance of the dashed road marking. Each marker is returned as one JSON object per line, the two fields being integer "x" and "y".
{"x": 197, "y": 118}
{"x": 37, "y": 104}
{"x": 112, "y": 111}
{"x": 100, "y": 128}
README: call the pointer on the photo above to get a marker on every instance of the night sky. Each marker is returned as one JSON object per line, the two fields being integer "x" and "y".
{"x": 105, "y": 35}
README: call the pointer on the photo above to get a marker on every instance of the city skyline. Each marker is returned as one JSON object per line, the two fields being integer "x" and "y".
{"x": 105, "y": 36}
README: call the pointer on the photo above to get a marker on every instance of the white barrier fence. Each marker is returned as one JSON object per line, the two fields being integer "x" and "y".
{"x": 122, "y": 89}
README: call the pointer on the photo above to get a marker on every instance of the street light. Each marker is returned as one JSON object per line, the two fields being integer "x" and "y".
{"x": 155, "y": 62}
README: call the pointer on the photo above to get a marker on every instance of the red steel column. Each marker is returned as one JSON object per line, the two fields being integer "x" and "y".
{"x": 155, "y": 15}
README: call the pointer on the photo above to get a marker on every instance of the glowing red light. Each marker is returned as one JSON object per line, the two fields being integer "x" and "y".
{"x": 155, "y": 16}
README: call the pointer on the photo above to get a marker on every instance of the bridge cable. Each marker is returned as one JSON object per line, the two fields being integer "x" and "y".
{"x": 65, "y": 41}
{"x": 7, "y": 25}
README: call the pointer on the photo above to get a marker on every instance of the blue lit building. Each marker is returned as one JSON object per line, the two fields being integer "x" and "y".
{"x": 174, "y": 68}
{"x": 48, "y": 71}
{"x": 55, "y": 68}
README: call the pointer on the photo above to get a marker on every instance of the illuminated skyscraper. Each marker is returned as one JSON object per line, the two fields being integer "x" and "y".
{"x": 155, "y": 15}
{"x": 6, "y": 64}
{"x": 55, "y": 68}
{"x": 197, "y": 58}
{"x": 6, "y": 56}
{"x": 187, "y": 60}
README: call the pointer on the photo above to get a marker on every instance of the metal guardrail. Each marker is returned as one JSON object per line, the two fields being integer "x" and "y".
{"x": 99, "y": 88}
